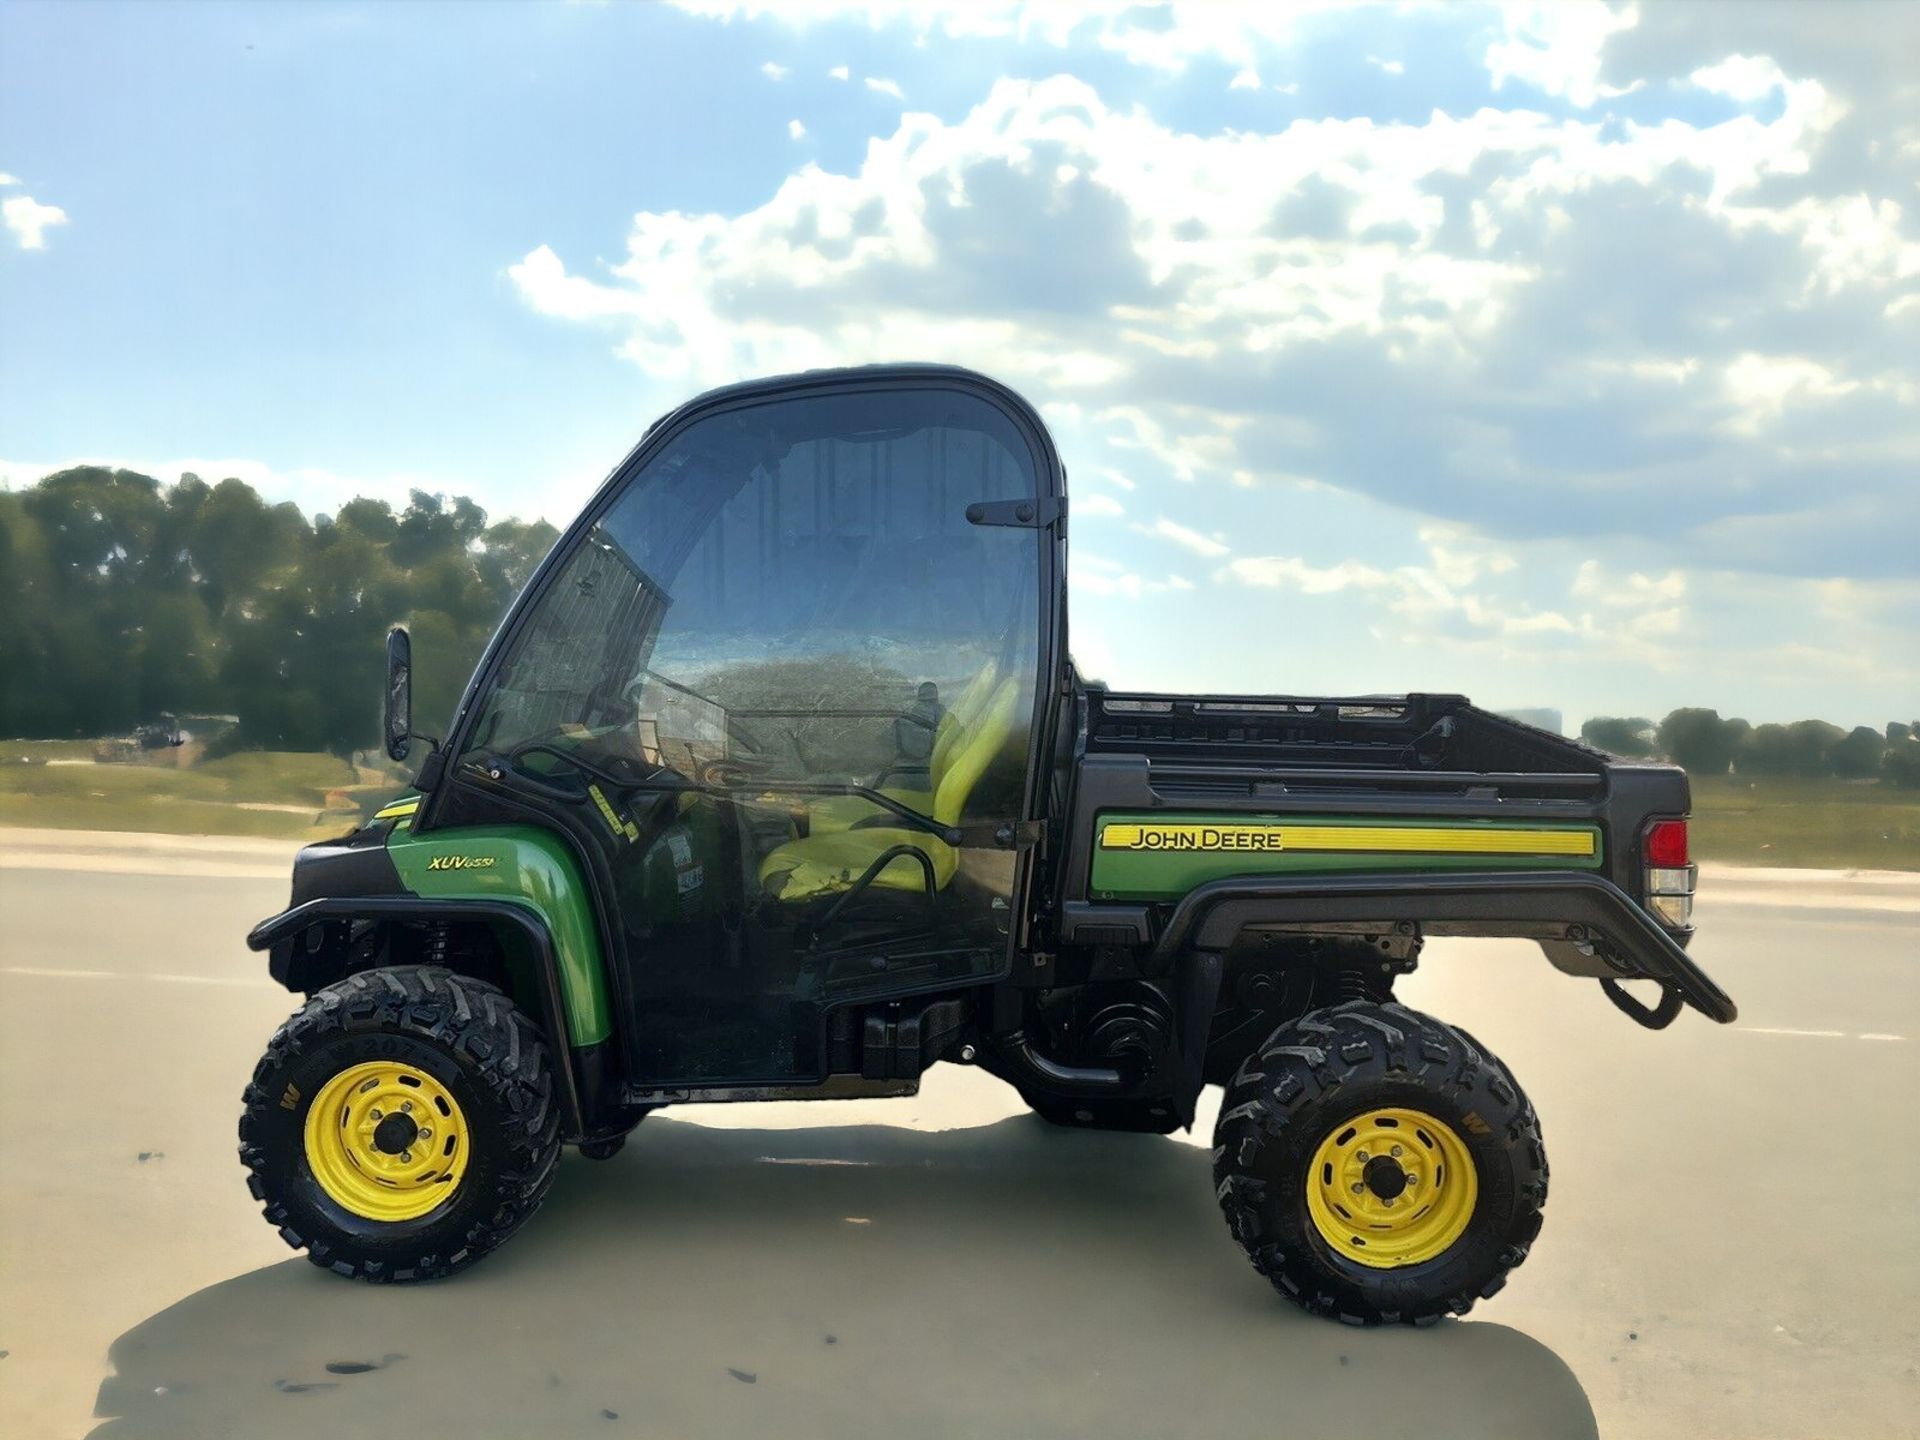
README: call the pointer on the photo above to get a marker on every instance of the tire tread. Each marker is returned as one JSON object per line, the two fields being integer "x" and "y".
{"x": 457, "y": 1013}
{"x": 1310, "y": 1061}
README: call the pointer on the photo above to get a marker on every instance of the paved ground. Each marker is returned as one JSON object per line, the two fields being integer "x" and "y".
{"x": 1729, "y": 1251}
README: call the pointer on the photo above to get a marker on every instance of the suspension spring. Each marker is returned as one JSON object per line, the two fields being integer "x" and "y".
{"x": 1350, "y": 985}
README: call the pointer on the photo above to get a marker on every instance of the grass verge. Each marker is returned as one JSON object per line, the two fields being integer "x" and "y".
{"x": 1820, "y": 824}
{"x": 270, "y": 794}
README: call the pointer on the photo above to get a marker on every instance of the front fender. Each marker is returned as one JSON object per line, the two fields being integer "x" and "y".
{"x": 284, "y": 932}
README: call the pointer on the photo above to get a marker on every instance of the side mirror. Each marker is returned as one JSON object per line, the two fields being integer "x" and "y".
{"x": 397, "y": 721}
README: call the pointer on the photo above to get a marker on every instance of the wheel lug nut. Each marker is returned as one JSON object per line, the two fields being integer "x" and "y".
{"x": 406, "y": 1158}
{"x": 425, "y": 1134}
{"x": 1362, "y": 1156}
{"x": 406, "y": 1107}
{"x": 1396, "y": 1152}
{"x": 374, "y": 1113}
{"x": 1358, "y": 1187}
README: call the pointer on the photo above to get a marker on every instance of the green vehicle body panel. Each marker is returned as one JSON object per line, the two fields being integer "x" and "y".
{"x": 528, "y": 867}
{"x": 1145, "y": 874}
{"x": 531, "y": 867}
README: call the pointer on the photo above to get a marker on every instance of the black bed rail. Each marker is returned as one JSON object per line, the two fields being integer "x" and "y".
{"x": 1350, "y": 737}
{"x": 1280, "y": 780}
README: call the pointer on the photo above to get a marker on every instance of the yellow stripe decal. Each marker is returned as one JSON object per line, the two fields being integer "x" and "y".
{"x": 397, "y": 809}
{"x": 614, "y": 822}
{"x": 1372, "y": 839}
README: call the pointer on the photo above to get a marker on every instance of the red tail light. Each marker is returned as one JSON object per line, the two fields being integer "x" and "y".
{"x": 1669, "y": 876}
{"x": 1666, "y": 844}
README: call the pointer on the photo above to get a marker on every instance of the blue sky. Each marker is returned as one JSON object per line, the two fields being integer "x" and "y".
{"x": 1564, "y": 357}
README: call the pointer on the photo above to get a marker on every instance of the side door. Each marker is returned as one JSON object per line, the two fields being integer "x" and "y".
{"x": 786, "y": 680}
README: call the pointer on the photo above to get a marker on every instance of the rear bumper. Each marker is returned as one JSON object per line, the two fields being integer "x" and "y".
{"x": 1543, "y": 904}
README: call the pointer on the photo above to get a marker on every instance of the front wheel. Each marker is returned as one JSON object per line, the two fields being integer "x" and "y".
{"x": 1379, "y": 1166}
{"x": 401, "y": 1124}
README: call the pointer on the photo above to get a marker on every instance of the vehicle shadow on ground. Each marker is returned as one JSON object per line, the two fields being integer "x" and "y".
{"x": 1010, "y": 1281}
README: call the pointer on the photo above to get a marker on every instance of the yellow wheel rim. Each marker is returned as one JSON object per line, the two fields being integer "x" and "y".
{"x": 1392, "y": 1187}
{"x": 386, "y": 1141}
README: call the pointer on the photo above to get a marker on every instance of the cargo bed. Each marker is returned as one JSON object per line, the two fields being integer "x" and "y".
{"x": 1193, "y": 818}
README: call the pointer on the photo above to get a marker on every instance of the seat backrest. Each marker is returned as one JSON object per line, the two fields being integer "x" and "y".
{"x": 954, "y": 725}
{"x": 974, "y": 750}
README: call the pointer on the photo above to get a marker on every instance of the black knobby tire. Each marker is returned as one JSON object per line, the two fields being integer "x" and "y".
{"x": 605, "y": 1146}
{"x": 472, "y": 1040}
{"x": 602, "y": 1149}
{"x": 1148, "y": 1117}
{"x": 1322, "y": 1070}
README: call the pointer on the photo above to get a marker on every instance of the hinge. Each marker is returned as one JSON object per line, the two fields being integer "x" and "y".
{"x": 1003, "y": 834}
{"x": 1033, "y": 514}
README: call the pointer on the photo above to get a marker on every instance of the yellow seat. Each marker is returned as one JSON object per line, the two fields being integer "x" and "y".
{"x": 832, "y": 813}
{"x": 822, "y": 864}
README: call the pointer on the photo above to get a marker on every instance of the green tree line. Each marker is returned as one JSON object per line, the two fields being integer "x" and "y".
{"x": 124, "y": 598}
{"x": 1705, "y": 744}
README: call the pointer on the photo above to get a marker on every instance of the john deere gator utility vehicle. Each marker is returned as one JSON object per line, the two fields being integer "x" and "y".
{"x": 777, "y": 782}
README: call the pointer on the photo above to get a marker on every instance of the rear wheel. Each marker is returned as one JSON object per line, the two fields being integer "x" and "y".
{"x": 1379, "y": 1166}
{"x": 401, "y": 1124}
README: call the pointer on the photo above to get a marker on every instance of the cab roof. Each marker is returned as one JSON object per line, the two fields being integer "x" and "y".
{"x": 880, "y": 375}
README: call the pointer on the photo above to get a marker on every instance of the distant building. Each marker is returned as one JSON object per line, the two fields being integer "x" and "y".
{"x": 1541, "y": 719}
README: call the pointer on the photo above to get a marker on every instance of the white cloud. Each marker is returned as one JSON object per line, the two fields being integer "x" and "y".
{"x": 1198, "y": 214}
{"x": 1166, "y": 37}
{"x": 1741, "y": 77}
{"x": 774, "y": 70}
{"x": 1632, "y": 591}
{"x": 29, "y": 220}
{"x": 884, "y": 87}
{"x": 796, "y": 130}
{"x": 1392, "y": 67}
{"x": 1463, "y": 599}
{"x": 1663, "y": 334}
{"x": 1849, "y": 239}
{"x": 6, "y": 179}
{"x": 1245, "y": 78}
{"x": 1544, "y": 622}
{"x": 1160, "y": 281}
{"x": 1763, "y": 387}
{"x": 1203, "y": 545}
{"x": 1558, "y": 47}
{"x": 544, "y": 283}
{"x": 838, "y": 72}
{"x": 1100, "y": 575}
{"x": 1292, "y": 573}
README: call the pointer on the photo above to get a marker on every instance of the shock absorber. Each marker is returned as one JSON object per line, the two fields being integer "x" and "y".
{"x": 1350, "y": 984}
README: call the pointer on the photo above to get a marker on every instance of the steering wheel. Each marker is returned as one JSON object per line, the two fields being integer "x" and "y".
{"x": 736, "y": 732}
{"x": 627, "y": 774}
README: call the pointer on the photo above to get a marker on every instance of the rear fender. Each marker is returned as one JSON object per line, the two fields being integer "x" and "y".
{"x": 1567, "y": 907}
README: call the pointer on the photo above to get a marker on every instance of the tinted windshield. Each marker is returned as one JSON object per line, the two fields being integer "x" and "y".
{"x": 779, "y": 575}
